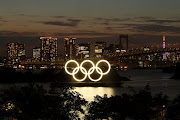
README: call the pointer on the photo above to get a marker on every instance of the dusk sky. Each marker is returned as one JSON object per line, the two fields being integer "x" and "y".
{"x": 94, "y": 20}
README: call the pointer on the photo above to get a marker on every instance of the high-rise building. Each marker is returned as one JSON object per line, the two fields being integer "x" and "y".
{"x": 70, "y": 47}
{"x": 110, "y": 50}
{"x": 16, "y": 52}
{"x": 48, "y": 48}
{"x": 36, "y": 53}
{"x": 12, "y": 50}
{"x": 83, "y": 50}
{"x": 99, "y": 49}
{"x": 21, "y": 50}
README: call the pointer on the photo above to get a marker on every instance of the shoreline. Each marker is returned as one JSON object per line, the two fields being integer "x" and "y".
{"x": 88, "y": 84}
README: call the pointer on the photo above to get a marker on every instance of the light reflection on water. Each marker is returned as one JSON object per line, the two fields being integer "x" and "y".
{"x": 158, "y": 81}
{"x": 89, "y": 92}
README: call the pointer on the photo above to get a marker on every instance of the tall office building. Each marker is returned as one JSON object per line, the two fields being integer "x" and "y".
{"x": 21, "y": 50}
{"x": 16, "y": 52}
{"x": 36, "y": 53}
{"x": 48, "y": 48}
{"x": 99, "y": 49}
{"x": 110, "y": 50}
{"x": 83, "y": 50}
{"x": 12, "y": 50}
{"x": 70, "y": 47}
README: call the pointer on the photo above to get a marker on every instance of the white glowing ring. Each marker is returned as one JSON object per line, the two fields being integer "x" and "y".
{"x": 101, "y": 75}
{"x": 70, "y": 62}
{"x": 89, "y": 72}
{"x": 93, "y": 66}
{"x": 74, "y": 73}
{"x": 109, "y": 67}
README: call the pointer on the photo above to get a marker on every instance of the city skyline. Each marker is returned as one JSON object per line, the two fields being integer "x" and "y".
{"x": 146, "y": 21}
{"x": 89, "y": 59}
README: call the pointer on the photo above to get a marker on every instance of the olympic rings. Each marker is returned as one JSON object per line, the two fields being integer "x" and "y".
{"x": 89, "y": 72}
{"x": 85, "y": 75}
{"x": 68, "y": 63}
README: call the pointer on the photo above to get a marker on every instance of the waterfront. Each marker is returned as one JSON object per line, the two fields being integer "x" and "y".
{"x": 158, "y": 81}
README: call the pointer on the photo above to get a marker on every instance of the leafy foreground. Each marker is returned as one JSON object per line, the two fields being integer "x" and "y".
{"x": 32, "y": 102}
{"x": 139, "y": 105}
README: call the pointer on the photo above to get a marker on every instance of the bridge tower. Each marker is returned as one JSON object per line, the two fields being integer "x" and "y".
{"x": 123, "y": 37}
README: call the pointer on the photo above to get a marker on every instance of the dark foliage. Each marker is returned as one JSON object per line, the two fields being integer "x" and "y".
{"x": 12, "y": 76}
{"x": 139, "y": 106}
{"x": 174, "y": 109}
{"x": 33, "y": 102}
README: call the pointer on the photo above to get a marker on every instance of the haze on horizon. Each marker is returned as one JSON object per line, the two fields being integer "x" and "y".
{"x": 25, "y": 21}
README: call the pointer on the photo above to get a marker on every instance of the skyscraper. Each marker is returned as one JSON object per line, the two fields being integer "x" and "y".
{"x": 110, "y": 50}
{"x": 70, "y": 47}
{"x": 12, "y": 50}
{"x": 99, "y": 49}
{"x": 16, "y": 52}
{"x": 21, "y": 50}
{"x": 83, "y": 50}
{"x": 48, "y": 48}
{"x": 36, "y": 53}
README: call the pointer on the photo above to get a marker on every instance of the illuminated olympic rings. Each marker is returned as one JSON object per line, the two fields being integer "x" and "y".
{"x": 89, "y": 72}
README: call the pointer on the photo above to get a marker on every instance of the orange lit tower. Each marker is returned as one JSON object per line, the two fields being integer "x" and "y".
{"x": 164, "y": 46}
{"x": 164, "y": 41}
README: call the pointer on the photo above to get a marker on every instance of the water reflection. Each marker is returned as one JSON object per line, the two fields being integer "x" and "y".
{"x": 89, "y": 92}
{"x": 158, "y": 81}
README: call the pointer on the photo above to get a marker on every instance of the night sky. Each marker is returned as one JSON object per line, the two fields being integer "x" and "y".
{"x": 88, "y": 20}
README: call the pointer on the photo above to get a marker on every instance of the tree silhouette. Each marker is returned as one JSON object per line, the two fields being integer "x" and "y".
{"x": 33, "y": 102}
{"x": 138, "y": 105}
{"x": 173, "y": 109}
